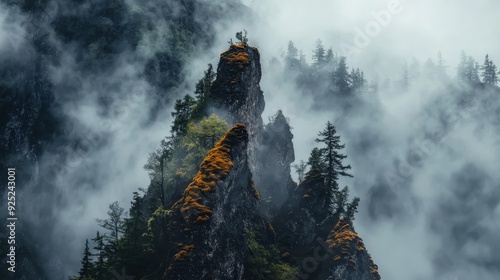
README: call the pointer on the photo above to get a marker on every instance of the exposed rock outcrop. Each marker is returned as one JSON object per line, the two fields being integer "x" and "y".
{"x": 351, "y": 261}
{"x": 304, "y": 228}
{"x": 219, "y": 207}
{"x": 214, "y": 212}
{"x": 236, "y": 93}
{"x": 275, "y": 156}
{"x": 302, "y": 218}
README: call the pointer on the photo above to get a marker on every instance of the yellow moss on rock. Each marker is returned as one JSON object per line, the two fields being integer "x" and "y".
{"x": 236, "y": 55}
{"x": 239, "y": 46}
{"x": 340, "y": 240}
{"x": 183, "y": 254}
{"x": 342, "y": 235}
{"x": 215, "y": 167}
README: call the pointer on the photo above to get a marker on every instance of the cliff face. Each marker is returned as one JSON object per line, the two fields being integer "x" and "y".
{"x": 214, "y": 213}
{"x": 303, "y": 227}
{"x": 215, "y": 220}
{"x": 237, "y": 95}
{"x": 275, "y": 156}
{"x": 351, "y": 261}
{"x": 302, "y": 218}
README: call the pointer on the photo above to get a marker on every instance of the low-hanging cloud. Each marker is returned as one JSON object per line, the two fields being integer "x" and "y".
{"x": 438, "y": 221}
{"x": 423, "y": 158}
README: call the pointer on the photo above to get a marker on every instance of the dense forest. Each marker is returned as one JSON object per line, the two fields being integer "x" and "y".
{"x": 96, "y": 93}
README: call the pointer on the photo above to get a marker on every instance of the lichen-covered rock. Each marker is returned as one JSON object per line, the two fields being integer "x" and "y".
{"x": 351, "y": 261}
{"x": 213, "y": 214}
{"x": 236, "y": 93}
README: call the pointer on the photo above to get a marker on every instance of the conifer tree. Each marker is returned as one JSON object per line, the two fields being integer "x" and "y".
{"x": 292, "y": 63}
{"x": 115, "y": 222}
{"x": 472, "y": 70}
{"x": 204, "y": 85}
{"x": 86, "y": 262}
{"x": 182, "y": 114}
{"x": 315, "y": 160}
{"x": 358, "y": 80}
{"x": 100, "y": 254}
{"x": 341, "y": 77}
{"x": 331, "y": 159}
{"x": 462, "y": 68}
{"x": 319, "y": 54}
{"x": 468, "y": 69}
{"x": 132, "y": 243}
{"x": 330, "y": 57}
{"x": 352, "y": 208}
{"x": 489, "y": 72}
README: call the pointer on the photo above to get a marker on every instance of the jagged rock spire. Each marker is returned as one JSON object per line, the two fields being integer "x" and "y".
{"x": 211, "y": 217}
{"x": 236, "y": 95}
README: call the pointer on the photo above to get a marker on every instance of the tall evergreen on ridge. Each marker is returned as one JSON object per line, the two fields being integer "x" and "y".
{"x": 99, "y": 271}
{"x": 203, "y": 86}
{"x": 319, "y": 54}
{"x": 331, "y": 159}
{"x": 467, "y": 70}
{"x": 489, "y": 72}
{"x": 341, "y": 77}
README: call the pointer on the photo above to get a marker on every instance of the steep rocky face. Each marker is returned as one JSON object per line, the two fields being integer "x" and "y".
{"x": 275, "y": 156}
{"x": 212, "y": 217}
{"x": 236, "y": 93}
{"x": 307, "y": 231}
{"x": 351, "y": 261}
{"x": 302, "y": 218}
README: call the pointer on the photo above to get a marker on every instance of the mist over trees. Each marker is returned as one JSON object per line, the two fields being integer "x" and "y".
{"x": 82, "y": 62}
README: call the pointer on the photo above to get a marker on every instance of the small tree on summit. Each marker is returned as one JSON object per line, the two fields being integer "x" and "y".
{"x": 242, "y": 37}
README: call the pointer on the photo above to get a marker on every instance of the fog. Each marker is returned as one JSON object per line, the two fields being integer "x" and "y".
{"x": 429, "y": 188}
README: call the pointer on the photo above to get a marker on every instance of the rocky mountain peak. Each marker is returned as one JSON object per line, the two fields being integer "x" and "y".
{"x": 214, "y": 212}
{"x": 350, "y": 258}
{"x": 236, "y": 93}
